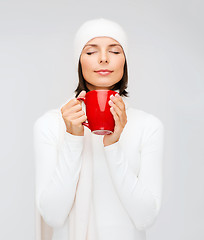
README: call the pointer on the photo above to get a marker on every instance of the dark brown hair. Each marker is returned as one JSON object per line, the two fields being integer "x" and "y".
{"x": 121, "y": 85}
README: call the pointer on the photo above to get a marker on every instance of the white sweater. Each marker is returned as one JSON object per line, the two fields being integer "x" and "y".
{"x": 127, "y": 175}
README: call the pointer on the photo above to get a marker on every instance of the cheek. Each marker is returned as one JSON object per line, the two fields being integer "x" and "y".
{"x": 86, "y": 64}
{"x": 120, "y": 66}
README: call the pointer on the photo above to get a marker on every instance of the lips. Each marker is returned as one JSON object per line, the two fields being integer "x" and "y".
{"x": 104, "y": 70}
{"x": 104, "y": 73}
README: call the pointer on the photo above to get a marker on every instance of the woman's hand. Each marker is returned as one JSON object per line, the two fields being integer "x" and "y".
{"x": 119, "y": 114}
{"x": 74, "y": 116}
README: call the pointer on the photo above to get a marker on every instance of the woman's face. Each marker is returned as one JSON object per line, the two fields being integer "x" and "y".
{"x": 103, "y": 55}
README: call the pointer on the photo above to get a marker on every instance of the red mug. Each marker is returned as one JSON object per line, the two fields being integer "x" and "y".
{"x": 99, "y": 117}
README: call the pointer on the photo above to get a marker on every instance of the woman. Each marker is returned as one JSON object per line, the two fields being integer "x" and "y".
{"x": 91, "y": 186}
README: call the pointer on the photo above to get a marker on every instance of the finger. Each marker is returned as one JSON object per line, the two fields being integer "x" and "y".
{"x": 75, "y": 108}
{"x": 79, "y": 120}
{"x": 115, "y": 116}
{"x": 117, "y": 120}
{"x": 119, "y": 112}
{"x": 118, "y": 101}
{"x": 77, "y": 115}
{"x": 70, "y": 104}
{"x": 81, "y": 94}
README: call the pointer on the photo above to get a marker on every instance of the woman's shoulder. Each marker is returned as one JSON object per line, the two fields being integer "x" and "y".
{"x": 147, "y": 119}
{"x": 140, "y": 126}
{"x": 51, "y": 123}
{"x": 52, "y": 117}
{"x": 48, "y": 119}
{"x": 47, "y": 126}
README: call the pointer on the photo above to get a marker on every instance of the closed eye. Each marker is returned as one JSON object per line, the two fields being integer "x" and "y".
{"x": 89, "y": 53}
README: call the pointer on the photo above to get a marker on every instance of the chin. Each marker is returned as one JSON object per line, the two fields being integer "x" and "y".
{"x": 101, "y": 83}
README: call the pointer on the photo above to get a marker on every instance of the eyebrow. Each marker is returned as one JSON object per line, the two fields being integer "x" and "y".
{"x": 95, "y": 45}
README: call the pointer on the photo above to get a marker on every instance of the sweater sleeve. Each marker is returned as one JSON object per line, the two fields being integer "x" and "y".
{"x": 57, "y": 169}
{"x": 140, "y": 195}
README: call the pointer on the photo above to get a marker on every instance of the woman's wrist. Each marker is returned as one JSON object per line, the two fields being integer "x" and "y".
{"x": 110, "y": 143}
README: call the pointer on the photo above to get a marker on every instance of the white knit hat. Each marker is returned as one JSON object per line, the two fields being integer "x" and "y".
{"x": 99, "y": 27}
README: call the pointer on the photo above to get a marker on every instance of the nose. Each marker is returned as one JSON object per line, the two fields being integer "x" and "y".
{"x": 103, "y": 57}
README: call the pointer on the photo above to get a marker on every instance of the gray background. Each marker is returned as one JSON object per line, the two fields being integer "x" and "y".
{"x": 165, "y": 79}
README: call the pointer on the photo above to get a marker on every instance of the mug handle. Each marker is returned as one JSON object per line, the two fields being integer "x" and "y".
{"x": 84, "y": 100}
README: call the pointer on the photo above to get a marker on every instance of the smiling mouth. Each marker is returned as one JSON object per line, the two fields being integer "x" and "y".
{"x": 104, "y": 73}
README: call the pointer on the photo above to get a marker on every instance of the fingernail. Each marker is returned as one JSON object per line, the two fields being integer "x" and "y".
{"x": 117, "y": 95}
{"x": 112, "y": 96}
{"x": 110, "y": 102}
